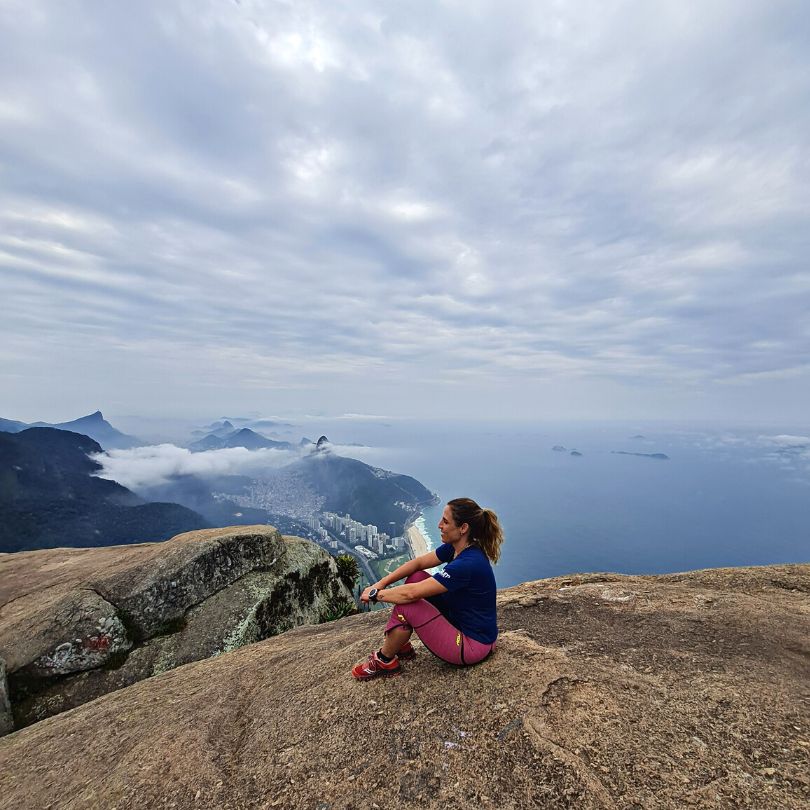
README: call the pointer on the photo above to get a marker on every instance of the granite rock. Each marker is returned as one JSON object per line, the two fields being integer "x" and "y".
{"x": 605, "y": 691}
{"x": 78, "y": 623}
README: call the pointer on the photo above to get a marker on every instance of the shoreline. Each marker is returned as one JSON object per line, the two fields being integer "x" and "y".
{"x": 416, "y": 541}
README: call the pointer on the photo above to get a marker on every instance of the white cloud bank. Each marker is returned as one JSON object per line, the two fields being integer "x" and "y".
{"x": 141, "y": 467}
{"x": 786, "y": 440}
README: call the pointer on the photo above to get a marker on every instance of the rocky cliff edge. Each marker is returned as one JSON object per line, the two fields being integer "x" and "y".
{"x": 78, "y": 623}
{"x": 605, "y": 691}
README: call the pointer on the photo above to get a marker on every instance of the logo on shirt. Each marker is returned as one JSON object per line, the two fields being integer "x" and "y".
{"x": 444, "y": 574}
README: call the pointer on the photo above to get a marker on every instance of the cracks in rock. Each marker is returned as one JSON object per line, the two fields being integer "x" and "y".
{"x": 551, "y": 684}
{"x": 264, "y": 569}
{"x": 102, "y": 597}
{"x": 574, "y": 761}
{"x": 133, "y": 627}
{"x": 36, "y": 592}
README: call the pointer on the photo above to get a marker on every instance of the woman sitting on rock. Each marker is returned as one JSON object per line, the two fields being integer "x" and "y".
{"x": 452, "y": 612}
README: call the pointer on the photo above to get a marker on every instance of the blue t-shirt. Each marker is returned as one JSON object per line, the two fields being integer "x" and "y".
{"x": 469, "y": 603}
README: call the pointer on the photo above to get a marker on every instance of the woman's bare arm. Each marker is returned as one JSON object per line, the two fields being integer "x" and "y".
{"x": 411, "y": 591}
{"x": 421, "y": 563}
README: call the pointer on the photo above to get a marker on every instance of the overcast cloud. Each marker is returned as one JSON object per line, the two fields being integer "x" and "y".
{"x": 540, "y": 208}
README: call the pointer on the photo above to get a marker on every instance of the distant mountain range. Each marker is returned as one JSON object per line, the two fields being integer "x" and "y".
{"x": 94, "y": 425}
{"x": 256, "y": 423}
{"x": 49, "y": 497}
{"x": 343, "y": 485}
{"x": 216, "y": 429}
{"x": 236, "y": 437}
{"x": 50, "y": 494}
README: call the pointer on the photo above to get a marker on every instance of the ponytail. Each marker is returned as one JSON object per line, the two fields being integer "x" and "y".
{"x": 491, "y": 535}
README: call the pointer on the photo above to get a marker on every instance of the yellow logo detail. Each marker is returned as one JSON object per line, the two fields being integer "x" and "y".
{"x": 458, "y": 639}
{"x": 401, "y": 617}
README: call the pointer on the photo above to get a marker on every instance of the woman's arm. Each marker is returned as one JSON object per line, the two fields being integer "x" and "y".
{"x": 411, "y": 591}
{"x": 429, "y": 560}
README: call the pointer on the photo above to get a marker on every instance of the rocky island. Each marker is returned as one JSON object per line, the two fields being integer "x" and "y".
{"x": 605, "y": 691}
{"x": 659, "y": 456}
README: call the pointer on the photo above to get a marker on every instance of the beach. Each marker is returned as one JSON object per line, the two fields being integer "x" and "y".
{"x": 417, "y": 541}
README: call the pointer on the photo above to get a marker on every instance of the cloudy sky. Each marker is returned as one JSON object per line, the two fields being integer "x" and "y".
{"x": 513, "y": 209}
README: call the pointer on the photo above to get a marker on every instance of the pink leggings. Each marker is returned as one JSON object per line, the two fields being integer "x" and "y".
{"x": 435, "y": 631}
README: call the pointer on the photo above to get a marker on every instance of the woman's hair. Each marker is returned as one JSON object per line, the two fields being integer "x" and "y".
{"x": 485, "y": 530}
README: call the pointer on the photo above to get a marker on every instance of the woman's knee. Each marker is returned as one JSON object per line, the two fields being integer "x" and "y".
{"x": 417, "y": 576}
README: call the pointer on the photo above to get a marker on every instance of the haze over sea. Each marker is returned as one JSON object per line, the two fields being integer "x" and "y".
{"x": 725, "y": 497}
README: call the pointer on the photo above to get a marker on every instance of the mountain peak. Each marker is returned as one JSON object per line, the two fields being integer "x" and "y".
{"x": 98, "y": 428}
{"x": 95, "y": 418}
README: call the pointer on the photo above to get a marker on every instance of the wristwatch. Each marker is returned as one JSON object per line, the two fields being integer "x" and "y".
{"x": 372, "y": 594}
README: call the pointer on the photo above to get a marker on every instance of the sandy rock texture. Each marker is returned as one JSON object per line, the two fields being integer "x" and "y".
{"x": 79, "y": 623}
{"x": 605, "y": 691}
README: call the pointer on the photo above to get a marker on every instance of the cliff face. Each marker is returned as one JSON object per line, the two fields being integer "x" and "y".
{"x": 605, "y": 692}
{"x": 78, "y": 623}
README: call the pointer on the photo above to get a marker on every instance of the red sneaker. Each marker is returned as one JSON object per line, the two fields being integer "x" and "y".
{"x": 407, "y": 652}
{"x": 374, "y": 667}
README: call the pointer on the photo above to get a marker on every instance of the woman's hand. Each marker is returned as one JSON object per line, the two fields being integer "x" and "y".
{"x": 364, "y": 595}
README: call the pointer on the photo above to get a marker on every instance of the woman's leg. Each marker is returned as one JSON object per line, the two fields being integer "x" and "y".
{"x": 434, "y": 630}
{"x": 395, "y": 640}
{"x": 446, "y": 641}
{"x": 397, "y": 634}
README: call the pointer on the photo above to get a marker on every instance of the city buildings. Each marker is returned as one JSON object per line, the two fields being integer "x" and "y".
{"x": 360, "y": 535}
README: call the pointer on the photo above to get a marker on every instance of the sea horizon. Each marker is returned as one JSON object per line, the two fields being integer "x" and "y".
{"x": 613, "y": 497}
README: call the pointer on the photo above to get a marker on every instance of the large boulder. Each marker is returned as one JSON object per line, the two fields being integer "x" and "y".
{"x": 605, "y": 691}
{"x": 78, "y": 623}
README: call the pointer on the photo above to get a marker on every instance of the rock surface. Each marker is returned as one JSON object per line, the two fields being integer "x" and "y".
{"x": 78, "y": 623}
{"x": 6, "y": 720}
{"x": 605, "y": 691}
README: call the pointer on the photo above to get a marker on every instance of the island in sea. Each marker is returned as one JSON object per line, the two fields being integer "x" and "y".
{"x": 659, "y": 456}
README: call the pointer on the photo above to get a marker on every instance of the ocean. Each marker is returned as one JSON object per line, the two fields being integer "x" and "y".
{"x": 723, "y": 497}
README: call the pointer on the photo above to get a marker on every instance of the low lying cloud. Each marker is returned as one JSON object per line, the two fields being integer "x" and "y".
{"x": 361, "y": 452}
{"x": 786, "y": 440}
{"x": 365, "y": 417}
{"x": 142, "y": 467}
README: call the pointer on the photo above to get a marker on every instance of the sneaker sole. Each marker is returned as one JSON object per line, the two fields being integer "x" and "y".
{"x": 380, "y": 674}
